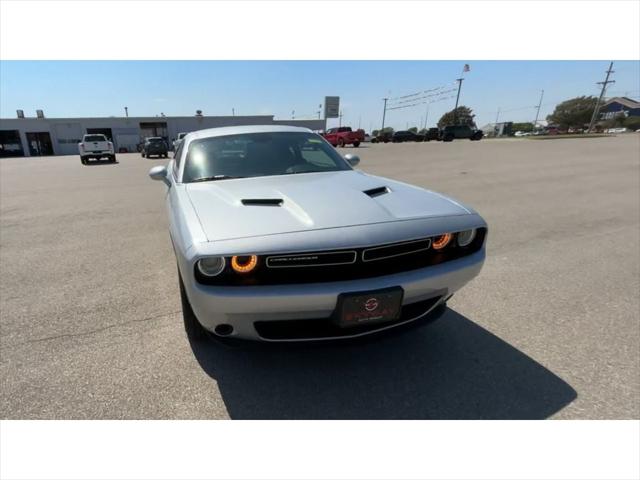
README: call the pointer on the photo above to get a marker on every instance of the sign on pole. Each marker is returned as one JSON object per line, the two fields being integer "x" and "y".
{"x": 331, "y": 107}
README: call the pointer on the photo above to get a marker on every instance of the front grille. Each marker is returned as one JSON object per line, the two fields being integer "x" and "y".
{"x": 344, "y": 265}
{"x": 395, "y": 250}
{"x": 313, "y": 259}
{"x": 326, "y": 328}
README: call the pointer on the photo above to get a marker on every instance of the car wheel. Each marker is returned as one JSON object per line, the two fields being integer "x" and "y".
{"x": 142, "y": 153}
{"x": 356, "y": 144}
{"x": 386, "y": 141}
{"x": 192, "y": 326}
{"x": 448, "y": 138}
{"x": 83, "y": 160}
{"x": 112, "y": 158}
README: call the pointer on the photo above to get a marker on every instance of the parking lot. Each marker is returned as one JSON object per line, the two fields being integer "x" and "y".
{"x": 91, "y": 323}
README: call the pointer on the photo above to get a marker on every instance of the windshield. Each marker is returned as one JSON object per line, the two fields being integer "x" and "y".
{"x": 259, "y": 154}
{"x": 155, "y": 141}
{"x": 95, "y": 138}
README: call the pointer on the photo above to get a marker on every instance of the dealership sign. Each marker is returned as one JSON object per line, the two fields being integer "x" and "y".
{"x": 331, "y": 107}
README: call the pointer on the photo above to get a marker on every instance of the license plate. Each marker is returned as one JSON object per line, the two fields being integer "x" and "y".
{"x": 369, "y": 307}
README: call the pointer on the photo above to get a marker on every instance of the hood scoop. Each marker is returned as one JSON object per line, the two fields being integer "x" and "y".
{"x": 376, "y": 192}
{"x": 263, "y": 202}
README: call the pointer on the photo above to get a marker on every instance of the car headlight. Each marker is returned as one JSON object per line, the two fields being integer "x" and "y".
{"x": 211, "y": 266}
{"x": 441, "y": 241}
{"x": 244, "y": 263}
{"x": 466, "y": 237}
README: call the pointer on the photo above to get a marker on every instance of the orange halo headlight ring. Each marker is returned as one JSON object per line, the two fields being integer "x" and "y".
{"x": 441, "y": 241}
{"x": 244, "y": 263}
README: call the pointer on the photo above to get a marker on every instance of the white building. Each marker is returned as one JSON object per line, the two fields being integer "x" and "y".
{"x": 60, "y": 136}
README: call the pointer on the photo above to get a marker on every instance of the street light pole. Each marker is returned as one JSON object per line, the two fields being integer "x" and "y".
{"x": 604, "y": 87}
{"x": 535, "y": 122}
{"x": 384, "y": 113}
{"x": 126, "y": 112}
{"x": 455, "y": 110}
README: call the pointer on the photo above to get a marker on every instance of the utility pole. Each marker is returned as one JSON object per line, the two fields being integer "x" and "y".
{"x": 455, "y": 110}
{"x": 359, "y": 121}
{"x": 596, "y": 109}
{"x": 535, "y": 122}
{"x": 426, "y": 117}
{"x": 126, "y": 112}
{"x": 384, "y": 113}
{"x": 340, "y": 119}
{"x": 497, "y": 115}
{"x": 233, "y": 112}
{"x": 319, "y": 111}
{"x": 293, "y": 115}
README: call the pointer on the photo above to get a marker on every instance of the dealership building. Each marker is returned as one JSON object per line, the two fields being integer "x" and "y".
{"x": 39, "y": 136}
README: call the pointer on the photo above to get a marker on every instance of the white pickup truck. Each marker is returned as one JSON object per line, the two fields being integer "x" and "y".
{"x": 96, "y": 146}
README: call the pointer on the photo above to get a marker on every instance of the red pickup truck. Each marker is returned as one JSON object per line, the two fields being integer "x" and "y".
{"x": 341, "y": 136}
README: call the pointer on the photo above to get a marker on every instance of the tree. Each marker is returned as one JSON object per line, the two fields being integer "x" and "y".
{"x": 575, "y": 112}
{"x": 632, "y": 123}
{"x": 462, "y": 116}
{"x": 413, "y": 129}
{"x": 375, "y": 133}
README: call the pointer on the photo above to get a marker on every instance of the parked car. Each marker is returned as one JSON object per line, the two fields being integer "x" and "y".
{"x": 277, "y": 238}
{"x": 617, "y": 130}
{"x": 382, "y": 138}
{"x": 154, "y": 146}
{"x": 451, "y": 132}
{"x": 341, "y": 136}
{"x": 432, "y": 134}
{"x": 177, "y": 141}
{"x": 406, "y": 136}
{"x": 95, "y": 146}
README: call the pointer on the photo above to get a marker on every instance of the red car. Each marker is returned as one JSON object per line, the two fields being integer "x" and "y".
{"x": 341, "y": 136}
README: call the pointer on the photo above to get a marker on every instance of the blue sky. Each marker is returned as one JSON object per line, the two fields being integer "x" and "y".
{"x": 103, "y": 88}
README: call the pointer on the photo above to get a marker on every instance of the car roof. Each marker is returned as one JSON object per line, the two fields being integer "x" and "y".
{"x": 237, "y": 130}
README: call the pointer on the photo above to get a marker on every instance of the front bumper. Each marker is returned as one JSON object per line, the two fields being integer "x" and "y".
{"x": 248, "y": 307}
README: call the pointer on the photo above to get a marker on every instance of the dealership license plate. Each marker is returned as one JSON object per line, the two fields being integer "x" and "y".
{"x": 369, "y": 307}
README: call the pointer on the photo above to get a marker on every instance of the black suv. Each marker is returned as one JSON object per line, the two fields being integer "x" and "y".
{"x": 450, "y": 132}
{"x": 154, "y": 146}
{"x": 406, "y": 136}
{"x": 432, "y": 134}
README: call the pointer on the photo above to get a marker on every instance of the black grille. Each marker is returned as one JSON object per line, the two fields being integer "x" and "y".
{"x": 407, "y": 256}
{"x": 313, "y": 259}
{"x": 262, "y": 202}
{"x": 326, "y": 328}
{"x": 388, "y": 251}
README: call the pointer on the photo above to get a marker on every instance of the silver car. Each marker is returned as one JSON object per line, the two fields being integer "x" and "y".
{"x": 277, "y": 238}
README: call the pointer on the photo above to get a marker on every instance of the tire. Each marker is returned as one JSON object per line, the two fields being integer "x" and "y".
{"x": 83, "y": 160}
{"x": 112, "y": 158}
{"x": 374, "y": 140}
{"x": 448, "y": 138}
{"x": 386, "y": 141}
{"x": 142, "y": 153}
{"x": 340, "y": 143}
{"x": 356, "y": 144}
{"x": 194, "y": 329}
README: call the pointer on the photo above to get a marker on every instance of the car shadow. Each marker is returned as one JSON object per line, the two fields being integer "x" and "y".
{"x": 451, "y": 369}
{"x": 95, "y": 163}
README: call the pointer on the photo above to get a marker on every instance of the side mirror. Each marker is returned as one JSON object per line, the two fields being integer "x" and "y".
{"x": 160, "y": 173}
{"x": 353, "y": 160}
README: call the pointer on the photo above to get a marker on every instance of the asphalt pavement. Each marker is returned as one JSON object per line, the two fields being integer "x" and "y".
{"x": 91, "y": 324}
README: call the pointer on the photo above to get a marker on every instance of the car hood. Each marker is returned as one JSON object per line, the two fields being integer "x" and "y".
{"x": 240, "y": 208}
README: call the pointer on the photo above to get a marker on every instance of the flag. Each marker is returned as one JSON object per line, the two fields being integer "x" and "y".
{"x": 466, "y": 67}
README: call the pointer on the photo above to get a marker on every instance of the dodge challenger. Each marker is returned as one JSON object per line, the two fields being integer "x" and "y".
{"x": 278, "y": 238}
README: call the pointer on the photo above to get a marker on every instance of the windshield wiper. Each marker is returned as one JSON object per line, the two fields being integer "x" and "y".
{"x": 214, "y": 178}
